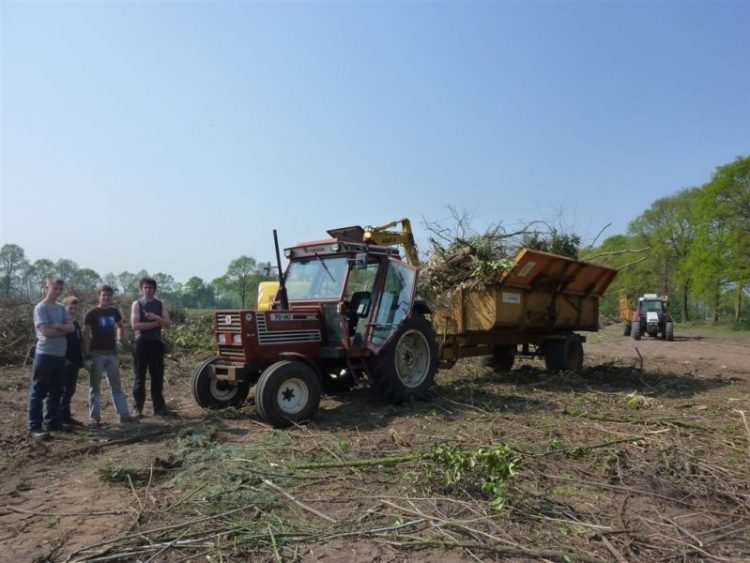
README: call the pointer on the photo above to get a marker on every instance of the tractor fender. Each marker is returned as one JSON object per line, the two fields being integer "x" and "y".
{"x": 421, "y": 307}
{"x": 296, "y": 356}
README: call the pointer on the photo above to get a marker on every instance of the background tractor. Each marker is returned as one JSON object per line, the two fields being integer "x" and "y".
{"x": 651, "y": 317}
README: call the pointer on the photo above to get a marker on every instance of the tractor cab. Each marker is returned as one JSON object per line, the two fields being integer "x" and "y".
{"x": 362, "y": 292}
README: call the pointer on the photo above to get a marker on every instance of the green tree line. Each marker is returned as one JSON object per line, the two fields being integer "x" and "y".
{"x": 693, "y": 246}
{"x": 23, "y": 279}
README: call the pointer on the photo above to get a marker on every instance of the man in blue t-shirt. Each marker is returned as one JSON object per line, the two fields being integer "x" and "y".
{"x": 52, "y": 324}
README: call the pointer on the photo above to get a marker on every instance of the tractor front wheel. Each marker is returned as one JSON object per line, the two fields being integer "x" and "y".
{"x": 213, "y": 393}
{"x": 626, "y": 329}
{"x": 288, "y": 392}
{"x": 564, "y": 354}
{"x": 669, "y": 331}
{"x": 406, "y": 367}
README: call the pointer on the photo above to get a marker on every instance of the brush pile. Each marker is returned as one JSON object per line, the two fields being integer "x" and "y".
{"x": 16, "y": 331}
{"x": 460, "y": 258}
{"x": 464, "y": 263}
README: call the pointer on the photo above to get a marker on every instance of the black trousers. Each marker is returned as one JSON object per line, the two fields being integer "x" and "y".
{"x": 148, "y": 356}
{"x": 69, "y": 388}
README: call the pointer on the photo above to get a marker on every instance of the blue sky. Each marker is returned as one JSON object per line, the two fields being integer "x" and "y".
{"x": 173, "y": 137}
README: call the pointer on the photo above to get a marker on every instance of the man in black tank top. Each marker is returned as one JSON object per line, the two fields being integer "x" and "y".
{"x": 148, "y": 316}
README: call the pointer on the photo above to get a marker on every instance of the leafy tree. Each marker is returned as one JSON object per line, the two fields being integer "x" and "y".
{"x": 13, "y": 264}
{"x": 623, "y": 253}
{"x": 242, "y": 277}
{"x": 668, "y": 228}
{"x": 167, "y": 287}
{"x": 196, "y": 294}
{"x": 66, "y": 269}
{"x": 35, "y": 276}
{"x": 86, "y": 280}
{"x": 722, "y": 248}
{"x": 111, "y": 280}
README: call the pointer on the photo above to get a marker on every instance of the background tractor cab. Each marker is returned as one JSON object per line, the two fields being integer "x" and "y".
{"x": 343, "y": 311}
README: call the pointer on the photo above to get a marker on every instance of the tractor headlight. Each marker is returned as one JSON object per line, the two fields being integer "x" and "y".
{"x": 222, "y": 339}
{"x": 237, "y": 339}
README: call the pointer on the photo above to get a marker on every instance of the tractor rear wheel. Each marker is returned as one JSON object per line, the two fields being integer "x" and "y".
{"x": 636, "y": 326}
{"x": 213, "y": 393}
{"x": 287, "y": 392}
{"x": 564, "y": 354}
{"x": 503, "y": 357}
{"x": 626, "y": 329}
{"x": 405, "y": 368}
{"x": 669, "y": 331}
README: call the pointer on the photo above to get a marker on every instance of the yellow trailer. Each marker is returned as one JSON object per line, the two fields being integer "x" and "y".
{"x": 537, "y": 305}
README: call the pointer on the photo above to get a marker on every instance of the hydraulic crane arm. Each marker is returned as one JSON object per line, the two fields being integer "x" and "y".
{"x": 382, "y": 236}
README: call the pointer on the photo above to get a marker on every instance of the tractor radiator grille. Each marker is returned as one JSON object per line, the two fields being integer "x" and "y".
{"x": 234, "y": 352}
{"x": 228, "y": 321}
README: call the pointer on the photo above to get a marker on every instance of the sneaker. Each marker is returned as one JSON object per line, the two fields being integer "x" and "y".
{"x": 127, "y": 419}
{"x": 53, "y": 428}
{"x": 164, "y": 411}
{"x": 39, "y": 435}
{"x": 137, "y": 413}
{"x": 95, "y": 423}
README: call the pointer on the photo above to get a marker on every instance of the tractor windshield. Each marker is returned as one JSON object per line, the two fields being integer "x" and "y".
{"x": 652, "y": 307}
{"x": 316, "y": 278}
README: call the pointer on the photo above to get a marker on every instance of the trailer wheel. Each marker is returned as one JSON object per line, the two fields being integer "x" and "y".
{"x": 626, "y": 329}
{"x": 212, "y": 393}
{"x": 669, "y": 331}
{"x": 636, "y": 330}
{"x": 406, "y": 367}
{"x": 287, "y": 392}
{"x": 564, "y": 355}
{"x": 503, "y": 357}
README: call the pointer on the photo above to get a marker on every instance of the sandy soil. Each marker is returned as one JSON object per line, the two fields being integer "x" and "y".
{"x": 672, "y": 416}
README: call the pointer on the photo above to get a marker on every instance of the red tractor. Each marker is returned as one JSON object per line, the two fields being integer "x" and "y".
{"x": 346, "y": 310}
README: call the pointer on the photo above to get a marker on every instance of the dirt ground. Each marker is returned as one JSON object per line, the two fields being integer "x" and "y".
{"x": 639, "y": 458}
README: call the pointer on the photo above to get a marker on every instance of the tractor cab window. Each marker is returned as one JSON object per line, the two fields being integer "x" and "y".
{"x": 317, "y": 278}
{"x": 358, "y": 297}
{"x": 395, "y": 302}
{"x": 652, "y": 307}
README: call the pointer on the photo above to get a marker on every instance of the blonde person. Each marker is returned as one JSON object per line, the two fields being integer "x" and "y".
{"x": 73, "y": 363}
{"x": 102, "y": 339}
{"x": 51, "y": 323}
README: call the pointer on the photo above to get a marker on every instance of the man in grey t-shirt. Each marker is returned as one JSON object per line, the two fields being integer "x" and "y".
{"x": 51, "y": 323}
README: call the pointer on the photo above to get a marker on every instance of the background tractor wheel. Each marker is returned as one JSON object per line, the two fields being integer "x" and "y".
{"x": 287, "y": 392}
{"x": 626, "y": 329}
{"x": 406, "y": 367}
{"x": 212, "y": 393}
{"x": 636, "y": 325}
{"x": 564, "y": 355}
{"x": 669, "y": 331}
{"x": 502, "y": 357}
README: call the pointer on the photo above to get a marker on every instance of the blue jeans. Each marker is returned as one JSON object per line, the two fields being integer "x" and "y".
{"x": 109, "y": 364}
{"x": 46, "y": 388}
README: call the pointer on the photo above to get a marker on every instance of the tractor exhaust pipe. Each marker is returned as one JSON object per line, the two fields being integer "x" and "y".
{"x": 282, "y": 286}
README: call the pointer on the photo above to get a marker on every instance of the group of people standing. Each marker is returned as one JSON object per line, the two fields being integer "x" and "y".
{"x": 63, "y": 347}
